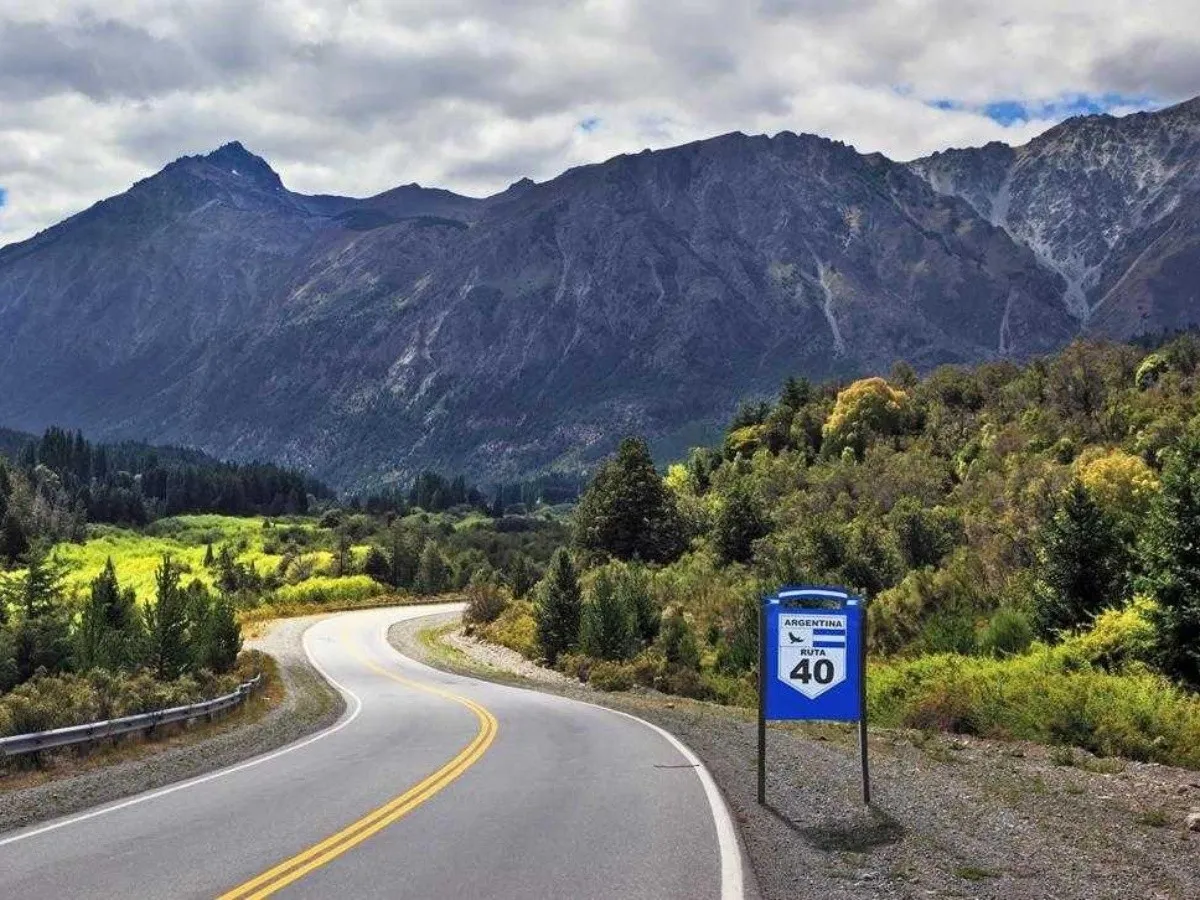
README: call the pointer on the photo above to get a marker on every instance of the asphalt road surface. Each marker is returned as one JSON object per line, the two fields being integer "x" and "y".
{"x": 431, "y": 786}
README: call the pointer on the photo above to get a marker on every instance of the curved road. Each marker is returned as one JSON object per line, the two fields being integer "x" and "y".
{"x": 431, "y": 786}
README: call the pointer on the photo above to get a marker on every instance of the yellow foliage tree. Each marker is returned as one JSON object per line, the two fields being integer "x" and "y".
{"x": 1121, "y": 483}
{"x": 868, "y": 408}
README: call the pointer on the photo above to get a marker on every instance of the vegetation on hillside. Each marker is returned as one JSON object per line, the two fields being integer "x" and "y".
{"x": 1026, "y": 536}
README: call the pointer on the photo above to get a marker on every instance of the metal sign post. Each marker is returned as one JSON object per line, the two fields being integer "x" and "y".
{"x": 812, "y": 666}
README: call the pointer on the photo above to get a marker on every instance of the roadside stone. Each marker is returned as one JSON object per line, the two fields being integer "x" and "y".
{"x": 1193, "y": 821}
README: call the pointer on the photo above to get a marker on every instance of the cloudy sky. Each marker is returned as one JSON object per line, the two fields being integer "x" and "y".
{"x": 357, "y": 97}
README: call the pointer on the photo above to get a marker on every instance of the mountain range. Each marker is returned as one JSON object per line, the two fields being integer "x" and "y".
{"x": 365, "y": 339}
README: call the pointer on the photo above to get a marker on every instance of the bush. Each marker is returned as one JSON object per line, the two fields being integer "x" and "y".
{"x": 328, "y": 591}
{"x": 576, "y": 665}
{"x": 1007, "y": 634}
{"x": 59, "y": 701}
{"x": 1043, "y": 696}
{"x": 485, "y": 602}
{"x": 606, "y": 675}
{"x": 515, "y": 628}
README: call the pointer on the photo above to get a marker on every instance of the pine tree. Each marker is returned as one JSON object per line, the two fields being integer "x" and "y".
{"x": 377, "y": 565}
{"x": 42, "y": 631}
{"x": 740, "y": 522}
{"x": 627, "y": 512}
{"x": 1170, "y": 556}
{"x": 343, "y": 560}
{"x": 433, "y": 574}
{"x": 1084, "y": 564}
{"x": 167, "y": 623}
{"x": 406, "y": 555}
{"x": 521, "y": 576}
{"x": 219, "y": 636}
{"x": 558, "y": 608}
{"x": 14, "y": 543}
{"x": 208, "y": 556}
{"x": 110, "y": 634}
{"x": 608, "y": 627}
{"x": 634, "y": 591}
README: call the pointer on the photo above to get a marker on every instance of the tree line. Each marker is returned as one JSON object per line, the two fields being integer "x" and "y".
{"x": 984, "y": 511}
{"x": 186, "y": 629}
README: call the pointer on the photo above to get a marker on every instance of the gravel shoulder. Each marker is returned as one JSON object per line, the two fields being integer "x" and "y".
{"x": 309, "y": 705}
{"x": 952, "y": 817}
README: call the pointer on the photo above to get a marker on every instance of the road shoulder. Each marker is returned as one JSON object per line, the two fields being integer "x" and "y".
{"x": 954, "y": 817}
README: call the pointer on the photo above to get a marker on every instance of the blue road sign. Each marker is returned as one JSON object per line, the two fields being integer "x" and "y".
{"x": 813, "y": 662}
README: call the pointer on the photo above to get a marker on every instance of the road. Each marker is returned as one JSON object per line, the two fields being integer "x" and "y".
{"x": 430, "y": 786}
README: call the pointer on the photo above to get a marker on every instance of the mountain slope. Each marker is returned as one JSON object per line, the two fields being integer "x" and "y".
{"x": 366, "y": 339}
{"x": 1110, "y": 204}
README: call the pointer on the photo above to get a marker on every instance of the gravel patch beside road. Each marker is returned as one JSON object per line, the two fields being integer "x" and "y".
{"x": 310, "y": 704}
{"x": 953, "y": 817}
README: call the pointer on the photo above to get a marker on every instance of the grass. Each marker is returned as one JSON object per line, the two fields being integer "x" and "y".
{"x": 974, "y": 873}
{"x": 186, "y": 538}
{"x": 1153, "y": 818}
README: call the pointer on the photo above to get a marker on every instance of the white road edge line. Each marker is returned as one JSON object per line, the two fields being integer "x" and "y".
{"x": 219, "y": 773}
{"x": 732, "y": 877}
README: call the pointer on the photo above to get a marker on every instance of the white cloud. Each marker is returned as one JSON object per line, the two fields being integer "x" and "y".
{"x": 358, "y": 97}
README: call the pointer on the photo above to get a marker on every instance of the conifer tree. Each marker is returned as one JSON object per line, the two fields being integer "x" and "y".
{"x": 377, "y": 565}
{"x": 216, "y": 635}
{"x": 679, "y": 642}
{"x": 627, "y": 511}
{"x": 634, "y": 592}
{"x": 521, "y": 576}
{"x": 110, "y": 633}
{"x": 740, "y": 522}
{"x": 433, "y": 574}
{"x": 608, "y": 627}
{"x": 406, "y": 555}
{"x": 558, "y": 608}
{"x": 1083, "y": 564}
{"x": 167, "y": 623}
{"x": 42, "y": 631}
{"x": 1170, "y": 555}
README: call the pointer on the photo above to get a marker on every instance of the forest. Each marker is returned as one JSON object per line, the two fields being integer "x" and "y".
{"x": 1027, "y": 537}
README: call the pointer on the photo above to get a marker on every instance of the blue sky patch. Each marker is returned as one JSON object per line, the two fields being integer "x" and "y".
{"x": 590, "y": 124}
{"x": 1009, "y": 112}
{"x": 3, "y": 197}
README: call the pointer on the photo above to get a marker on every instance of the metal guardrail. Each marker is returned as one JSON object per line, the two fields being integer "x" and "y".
{"x": 20, "y": 744}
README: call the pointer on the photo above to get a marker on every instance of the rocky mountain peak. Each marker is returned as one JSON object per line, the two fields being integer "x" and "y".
{"x": 233, "y": 158}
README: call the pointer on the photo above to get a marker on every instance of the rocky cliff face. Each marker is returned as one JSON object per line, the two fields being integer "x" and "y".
{"x": 1109, "y": 204}
{"x": 365, "y": 339}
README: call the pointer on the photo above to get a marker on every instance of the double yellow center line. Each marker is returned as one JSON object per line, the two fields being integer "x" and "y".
{"x": 354, "y": 834}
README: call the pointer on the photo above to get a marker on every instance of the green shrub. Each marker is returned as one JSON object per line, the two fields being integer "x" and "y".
{"x": 1007, "y": 634}
{"x": 606, "y": 675}
{"x": 608, "y": 627}
{"x": 326, "y": 591}
{"x": 1047, "y": 696}
{"x": 515, "y": 628}
{"x": 576, "y": 665}
{"x": 648, "y": 666}
{"x": 59, "y": 701}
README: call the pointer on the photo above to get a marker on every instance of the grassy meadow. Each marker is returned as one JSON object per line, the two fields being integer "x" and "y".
{"x": 137, "y": 555}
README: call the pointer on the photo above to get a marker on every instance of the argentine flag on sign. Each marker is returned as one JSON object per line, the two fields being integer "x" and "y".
{"x": 829, "y": 638}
